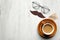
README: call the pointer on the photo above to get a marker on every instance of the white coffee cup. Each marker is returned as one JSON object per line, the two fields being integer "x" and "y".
{"x": 50, "y": 26}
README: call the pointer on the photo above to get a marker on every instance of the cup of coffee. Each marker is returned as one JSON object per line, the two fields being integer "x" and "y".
{"x": 47, "y": 28}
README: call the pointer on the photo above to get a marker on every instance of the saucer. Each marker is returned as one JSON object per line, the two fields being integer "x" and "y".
{"x": 40, "y": 25}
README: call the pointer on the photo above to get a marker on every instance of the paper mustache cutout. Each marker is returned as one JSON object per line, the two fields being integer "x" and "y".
{"x": 39, "y": 14}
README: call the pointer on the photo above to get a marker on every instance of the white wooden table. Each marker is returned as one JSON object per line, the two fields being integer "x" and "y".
{"x": 17, "y": 23}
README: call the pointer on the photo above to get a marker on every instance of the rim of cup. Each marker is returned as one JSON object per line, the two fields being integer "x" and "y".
{"x": 50, "y": 32}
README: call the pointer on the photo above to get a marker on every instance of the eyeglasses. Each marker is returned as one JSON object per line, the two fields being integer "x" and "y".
{"x": 36, "y": 6}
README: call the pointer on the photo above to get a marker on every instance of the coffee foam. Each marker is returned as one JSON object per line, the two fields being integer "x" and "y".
{"x": 49, "y": 32}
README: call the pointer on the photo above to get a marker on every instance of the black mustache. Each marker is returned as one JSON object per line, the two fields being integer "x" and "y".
{"x": 39, "y": 14}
